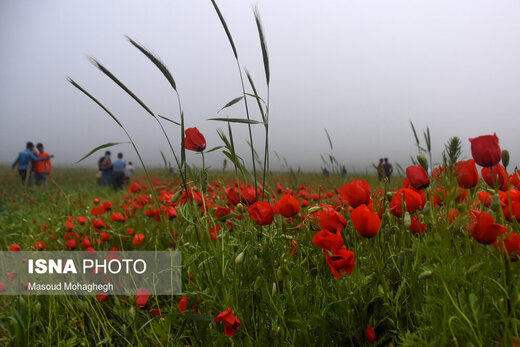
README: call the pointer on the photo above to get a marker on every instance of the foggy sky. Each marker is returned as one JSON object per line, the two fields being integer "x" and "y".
{"x": 361, "y": 69}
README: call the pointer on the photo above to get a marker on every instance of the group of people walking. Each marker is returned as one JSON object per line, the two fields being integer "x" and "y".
{"x": 33, "y": 161}
{"x": 115, "y": 173}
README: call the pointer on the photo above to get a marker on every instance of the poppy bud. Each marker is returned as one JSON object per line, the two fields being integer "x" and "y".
{"x": 240, "y": 207}
{"x": 273, "y": 290}
{"x": 425, "y": 275}
{"x": 258, "y": 283}
{"x": 240, "y": 258}
{"x": 505, "y": 157}
{"x": 421, "y": 158}
{"x": 407, "y": 220}
{"x": 495, "y": 203}
{"x": 175, "y": 197}
{"x": 314, "y": 209}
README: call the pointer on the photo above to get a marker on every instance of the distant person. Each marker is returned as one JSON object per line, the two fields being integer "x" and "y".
{"x": 26, "y": 158}
{"x": 343, "y": 171}
{"x": 380, "y": 170}
{"x": 42, "y": 169}
{"x": 326, "y": 172}
{"x": 105, "y": 167}
{"x": 129, "y": 171}
{"x": 388, "y": 169}
{"x": 118, "y": 175}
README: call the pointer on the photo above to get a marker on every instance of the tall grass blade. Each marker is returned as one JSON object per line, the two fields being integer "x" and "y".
{"x": 106, "y": 145}
{"x": 95, "y": 100}
{"x": 169, "y": 120}
{"x": 328, "y": 138}
{"x": 157, "y": 62}
{"x": 255, "y": 95}
{"x": 164, "y": 160}
{"x": 237, "y": 120}
{"x": 231, "y": 103}
{"x": 120, "y": 84}
{"x": 415, "y": 134}
{"x": 223, "y": 21}
{"x": 261, "y": 35}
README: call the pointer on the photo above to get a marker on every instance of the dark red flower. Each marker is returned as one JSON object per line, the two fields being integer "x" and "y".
{"x": 134, "y": 188}
{"x": 71, "y": 244}
{"x": 101, "y": 297}
{"x": 417, "y": 177}
{"x": 514, "y": 178}
{"x": 512, "y": 244}
{"x": 483, "y": 227}
{"x": 142, "y": 296}
{"x": 327, "y": 240}
{"x": 495, "y": 176}
{"x": 117, "y": 217}
{"x": 231, "y": 322}
{"x": 330, "y": 219}
{"x": 138, "y": 239}
{"x": 340, "y": 262}
{"x": 40, "y": 246}
{"x": 486, "y": 150}
{"x": 370, "y": 334}
{"x": 156, "y": 312}
{"x": 356, "y": 192}
{"x": 194, "y": 140}
{"x": 366, "y": 222}
{"x": 417, "y": 227}
{"x": 411, "y": 199}
{"x": 466, "y": 173}
{"x": 183, "y": 304}
{"x": 287, "y": 206}
{"x": 81, "y": 220}
{"x": 14, "y": 247}
{"x": 262, "y": 212}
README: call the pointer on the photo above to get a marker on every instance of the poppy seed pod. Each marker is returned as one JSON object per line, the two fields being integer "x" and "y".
{"x": 486, "y": 150}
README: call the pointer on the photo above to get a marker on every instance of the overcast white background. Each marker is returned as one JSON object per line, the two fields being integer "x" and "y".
{"x": 361, "y": 69}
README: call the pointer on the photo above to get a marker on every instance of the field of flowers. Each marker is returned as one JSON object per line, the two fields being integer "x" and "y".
{"x": 428, "y": 260}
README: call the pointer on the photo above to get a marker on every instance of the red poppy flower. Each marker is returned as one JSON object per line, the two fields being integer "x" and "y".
{"x": 417, "y": 177}
{"x": 69, "y": 225}
{"x": 14, "y": 247}
{"x": 101, "y": 297}
{"x": 514, "y": 178}
{"x": 262, "y": 212}
{"x": 340, "y": 262}
{"x": 485, "y": 198}
{"x": 183, "y": 304}
{"x": 356, "y": 192}
{"x": 515, "y": 208}
{"x": 512, "y": 244}
{"x": 117, "y": 217}
{"x": 327, "y": 240}
{"x": 287, "y": 206}
{"x": 231, "y": 322}
{"x": 81, "y": 220}
{"x": 40, "y": 246}
{"x": 366, "y": 222}
{"x": 411, "y": 199}
{"x": 370, "y": 334}
{"x": 142, "y": 296}
{"x": 417, "y": 227}
{"x": 107, "y": 205}
{"x": 3, "y": 286}
{"x": 156, "y": 312}
{"x": 483, "y": 227}
{"x": 138, "y": 239}
{"x": 466, "y": 173}
{"x": 71, "y": 244}
{"x": 222, "y": 211}
{"x": 486, "y": 150}
{"x": 171, "y": 212}
{"x": 98, "y": 223}
{"x": 194, "y": 140}
{"x": 497, "y": 179}
{"x": 105, "y": 237}
{"x": 134, "y": 188}
{"x": 330, "y": 219}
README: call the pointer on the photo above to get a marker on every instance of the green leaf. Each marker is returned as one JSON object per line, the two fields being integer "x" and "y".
{"x": 109, "y": 144}
{"x": 231, "y": 103}
{"x": 214, "y": 149}
{"x": 237, "y": 120}
{"x": 169, "y": 120}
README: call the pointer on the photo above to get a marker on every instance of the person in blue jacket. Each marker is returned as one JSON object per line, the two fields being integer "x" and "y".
{"x": 24, "y": 158}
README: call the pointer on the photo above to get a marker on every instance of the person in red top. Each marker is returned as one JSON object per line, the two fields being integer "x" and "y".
{"x": 42, "y": 169}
